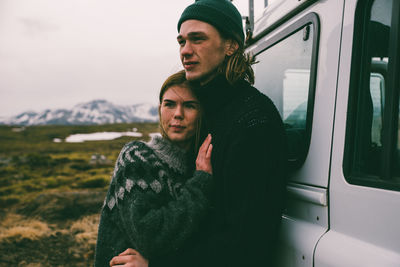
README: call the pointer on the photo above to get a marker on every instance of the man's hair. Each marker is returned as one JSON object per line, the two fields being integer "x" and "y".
{"x": 238, "y": 66}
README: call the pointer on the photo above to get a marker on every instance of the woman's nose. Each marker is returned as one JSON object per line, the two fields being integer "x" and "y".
{"x": 178, "y": 112}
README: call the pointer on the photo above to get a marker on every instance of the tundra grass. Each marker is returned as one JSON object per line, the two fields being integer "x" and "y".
{"x": 51, "y": 193}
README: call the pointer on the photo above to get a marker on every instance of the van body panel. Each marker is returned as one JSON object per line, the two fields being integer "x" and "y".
{"x": 364, "y": 221}
{"x": 337, "y": 249}
{"x": 304, "y": 222}
{"x": 325, "y": 93}
{"x": 306, "y": 218}
{"x": 297, "y": 242}
{"x": 330, "y": 220}
{"x": 275, "y": 12}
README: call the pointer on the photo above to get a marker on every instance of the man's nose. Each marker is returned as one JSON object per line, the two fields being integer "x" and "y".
{"x": 186, "y": 50}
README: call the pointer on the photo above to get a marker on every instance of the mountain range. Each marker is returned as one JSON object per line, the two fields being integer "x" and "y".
{"x": 93, "y": 112}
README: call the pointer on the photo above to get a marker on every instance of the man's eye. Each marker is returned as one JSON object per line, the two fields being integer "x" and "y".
{"x": 169, "y": 104}
{"x": 197, "y": 40}
{"x": 181, "y": 42}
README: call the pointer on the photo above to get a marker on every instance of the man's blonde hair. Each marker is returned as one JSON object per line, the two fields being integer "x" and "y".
{"x": 238, "y": 66}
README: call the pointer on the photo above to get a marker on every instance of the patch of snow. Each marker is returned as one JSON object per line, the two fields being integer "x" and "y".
{"x": 57, "y": 140}
{"x": 23, "y": 118}
{"x": 78, "y": 138}
{"x": 49, "y": 116}
{"x": 17, "y": 130}
{"x": 59, "y": 115}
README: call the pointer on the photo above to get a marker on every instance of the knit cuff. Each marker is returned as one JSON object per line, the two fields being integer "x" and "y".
{"x": 203, "y": 181}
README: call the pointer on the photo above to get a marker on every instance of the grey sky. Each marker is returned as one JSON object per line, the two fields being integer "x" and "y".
{"x": 57, "y": 53}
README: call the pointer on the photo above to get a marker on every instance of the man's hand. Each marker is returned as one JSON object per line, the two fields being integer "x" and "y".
{"x": 129, "y": 258}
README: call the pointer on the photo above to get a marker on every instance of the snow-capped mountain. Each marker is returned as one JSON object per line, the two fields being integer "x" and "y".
{"x": 93, "y": 112}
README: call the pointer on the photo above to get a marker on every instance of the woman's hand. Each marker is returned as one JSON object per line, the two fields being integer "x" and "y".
{"x": 203, "y": 161}
{"x": 129, "y": 258}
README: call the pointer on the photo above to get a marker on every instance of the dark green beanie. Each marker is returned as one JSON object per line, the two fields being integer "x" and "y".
{"x": 222, "y": 14}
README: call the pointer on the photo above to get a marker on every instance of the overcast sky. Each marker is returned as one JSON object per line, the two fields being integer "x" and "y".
{"x": 58, "y": 53}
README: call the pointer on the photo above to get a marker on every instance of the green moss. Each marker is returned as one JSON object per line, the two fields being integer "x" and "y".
{"x": 96, "y": 182}
{"x": 8, "y": 201}
{"x": 7, "y": 190}
{"x": 81, "y": 166}
{"x": 32, "y": 164}
{"x": 57, "y": 182}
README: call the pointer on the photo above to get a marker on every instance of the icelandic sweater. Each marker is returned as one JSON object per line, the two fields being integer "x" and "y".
{"x": 155, "y": 201}
{"x": 248, "y": 159}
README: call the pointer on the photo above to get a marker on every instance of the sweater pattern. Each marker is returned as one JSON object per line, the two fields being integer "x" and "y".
{"x": 138, "y": 159}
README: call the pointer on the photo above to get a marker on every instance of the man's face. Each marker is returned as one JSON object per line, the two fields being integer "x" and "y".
{"x": 202, "y": 50}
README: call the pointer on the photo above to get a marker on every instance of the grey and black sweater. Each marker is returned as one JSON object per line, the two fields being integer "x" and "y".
{"x": 155, "y": 201}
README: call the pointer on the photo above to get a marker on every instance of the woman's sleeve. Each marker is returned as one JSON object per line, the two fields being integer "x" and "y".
{"x": 156, "y": 223}
{"x": 111, "y": 240}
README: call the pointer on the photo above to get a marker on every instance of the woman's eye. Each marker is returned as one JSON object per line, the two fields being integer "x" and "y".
{"x": 191, "y": 106}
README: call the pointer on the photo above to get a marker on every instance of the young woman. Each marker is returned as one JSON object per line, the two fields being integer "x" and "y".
{"x": 159, "y": 193}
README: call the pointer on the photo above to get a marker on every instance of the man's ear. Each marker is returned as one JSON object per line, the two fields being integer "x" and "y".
{"x": 230, "y": 47}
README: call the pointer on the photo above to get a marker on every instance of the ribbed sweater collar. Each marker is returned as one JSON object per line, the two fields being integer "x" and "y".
{"x": 215, "y": 95}
{"x": 174, "y": 156}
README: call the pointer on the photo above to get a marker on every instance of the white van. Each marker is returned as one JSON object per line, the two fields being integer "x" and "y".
{"x": 332, "y": 68}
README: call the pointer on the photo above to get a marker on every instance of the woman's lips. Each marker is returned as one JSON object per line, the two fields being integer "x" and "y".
{"x": 177, "y": 127}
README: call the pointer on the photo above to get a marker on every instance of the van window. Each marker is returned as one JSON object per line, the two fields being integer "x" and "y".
{"x": 372, "y": 140}
{"x": 285, "y": 73}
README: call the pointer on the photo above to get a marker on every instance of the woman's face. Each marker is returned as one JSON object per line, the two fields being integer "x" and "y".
{"x": 179, "y": 112}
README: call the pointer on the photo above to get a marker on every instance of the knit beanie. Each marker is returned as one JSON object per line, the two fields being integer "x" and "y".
{"x": 222, "y": 14}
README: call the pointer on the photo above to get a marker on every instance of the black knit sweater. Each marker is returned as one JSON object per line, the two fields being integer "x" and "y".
{"x": 248, "y": 161}
{"x": 154, "y": 202}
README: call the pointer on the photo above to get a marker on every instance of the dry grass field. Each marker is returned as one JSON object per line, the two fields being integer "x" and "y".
{"x": 51, "y": 193}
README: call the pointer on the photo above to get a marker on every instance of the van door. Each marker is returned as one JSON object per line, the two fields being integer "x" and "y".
{"x": 364, "y": 186}
{"x": 297, "y": 46}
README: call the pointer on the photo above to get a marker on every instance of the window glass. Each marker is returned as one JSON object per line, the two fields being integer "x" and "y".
{"x": 377, "y": 89}
{"x": 283, "y": 74}
{"x": 374, "y": 160}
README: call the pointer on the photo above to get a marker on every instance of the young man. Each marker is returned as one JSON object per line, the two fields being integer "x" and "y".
{"x": 248, "y": 143}
{"x": 248, "y": 157}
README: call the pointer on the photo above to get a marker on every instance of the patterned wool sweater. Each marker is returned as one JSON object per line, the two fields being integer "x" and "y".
{"x": 155, "y": 201}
